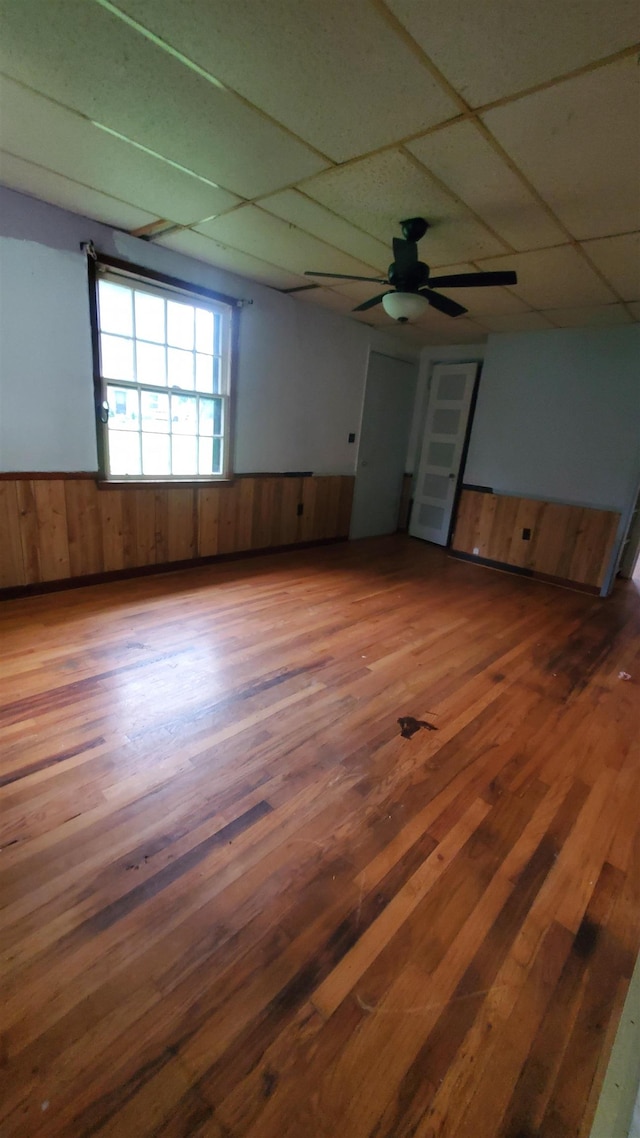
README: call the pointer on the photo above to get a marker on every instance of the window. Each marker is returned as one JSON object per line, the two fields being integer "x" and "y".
{"x": 163, "y": 376}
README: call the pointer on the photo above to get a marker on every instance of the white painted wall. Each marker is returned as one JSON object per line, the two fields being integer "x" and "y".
{"x": 301, "y": 372}
{"x": 558, "y": 416}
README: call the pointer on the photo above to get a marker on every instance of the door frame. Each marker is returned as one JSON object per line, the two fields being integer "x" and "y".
{"x": 460, "y": 483}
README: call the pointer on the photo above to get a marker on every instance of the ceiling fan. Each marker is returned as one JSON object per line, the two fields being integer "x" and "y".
{"x": 412, "y": 287}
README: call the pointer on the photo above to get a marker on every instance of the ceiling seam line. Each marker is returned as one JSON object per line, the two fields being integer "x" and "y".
{"x": 290, "y": 224}
{"x": 191, "y": 65}
{"x": 294, "y": 188}
{"x": 413, "y": 45}
{"x": 84, "y": 186}
{"x": 546, "y": 85}
{"x": 415, "y": 161}
{"x": 572, "y": 240}
{"x": 234, "y": 249}
{"x": 121, "y": 138}
{"x": 467, "y": 109}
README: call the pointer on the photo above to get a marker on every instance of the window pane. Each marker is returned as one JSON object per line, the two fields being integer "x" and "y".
{"x": 155, "y": 411}
{"x": 210, "y": 456}
{"x": 204, "y": 331}
{"x": 184, "y": 415}
{"x": 115, "y": 308}
{"x": 149, "y": 317}
{"x": 180, "y": 319}
{"x": 155, "y": 454}
{"x": 180, "y": 366}
{"x": 217, "y": 456}
{"x": 116, "y": 357}
{"x": 206, "y": 417}
{"x": 204, "y": 373}
{"x": 217, "y": 381}
{"x": 124, "y": 452}
{"x": 123, "y": 409}
{"x": 210, "y": 459}
{"x": 151, "y": 364}
{"x": 205, "y": 456}
{"x": 217, "y": 334}
{"x": 217, "y": 416}
{"x": 184, "y": 454}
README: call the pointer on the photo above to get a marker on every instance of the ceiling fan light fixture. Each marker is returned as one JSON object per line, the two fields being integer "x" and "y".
{"x": 404, "y": 306}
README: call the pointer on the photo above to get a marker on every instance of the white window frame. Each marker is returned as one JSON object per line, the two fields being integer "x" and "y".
{"x": 142, "y": 280}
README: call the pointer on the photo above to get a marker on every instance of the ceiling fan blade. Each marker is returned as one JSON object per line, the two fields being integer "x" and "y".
{"x": 405, "y": 254}
{"x": 475, "y": 280}
{"x": 369, "y": 303}
{"x": 344, "y": 277}
{"x": 443, "y": 303}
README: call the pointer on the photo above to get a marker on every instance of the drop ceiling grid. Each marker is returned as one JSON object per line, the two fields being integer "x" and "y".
{"x": 462, "y": 116}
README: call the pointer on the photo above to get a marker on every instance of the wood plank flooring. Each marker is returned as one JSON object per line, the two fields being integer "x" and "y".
{"x": 236, "y": 903}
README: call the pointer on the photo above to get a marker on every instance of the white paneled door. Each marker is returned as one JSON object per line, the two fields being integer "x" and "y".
{"x": 448, "y": 409}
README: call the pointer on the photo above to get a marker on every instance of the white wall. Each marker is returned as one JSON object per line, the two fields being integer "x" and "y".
{"x": 301, "y": 371}
{"x": 558, "y": 416}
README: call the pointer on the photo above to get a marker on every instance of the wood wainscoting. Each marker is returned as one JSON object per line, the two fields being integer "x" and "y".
{"x": 63, "y": 528}
{"x": 570, "y": 544}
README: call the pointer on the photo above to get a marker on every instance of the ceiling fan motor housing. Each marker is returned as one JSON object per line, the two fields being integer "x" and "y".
{"x": 411, "y": 278}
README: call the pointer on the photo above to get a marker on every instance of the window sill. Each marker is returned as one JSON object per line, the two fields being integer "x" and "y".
{"x": 163, "y": 483}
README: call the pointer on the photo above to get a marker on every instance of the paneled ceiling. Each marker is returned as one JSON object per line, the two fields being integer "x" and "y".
{"x": 272, "y": 136}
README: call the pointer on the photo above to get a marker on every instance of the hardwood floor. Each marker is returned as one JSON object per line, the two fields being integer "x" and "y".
{"x": 236, "y": 902}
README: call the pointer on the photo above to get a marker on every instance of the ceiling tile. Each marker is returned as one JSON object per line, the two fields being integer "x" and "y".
{"x": 486, "y": 301}
{"x": 551, "y": 278}
{"x": 377, "y": 192}
{"x": 357, "y": 291}
{"x": 295, "y": 207}
{"x": 497, "y": 47}
{"x": 593, "y": 316}
{"x": 194, "y": 244}
{"x": 468, "y": 164}
{"x": 86, "y": 58}
{"x": 336, "y": 65}
{"x": 445, "y": 330}
{"x": 262, "y": 235}
{"x": 520, "y": 322}
{"x": 619, "y": 259}
{"x": 577, "y": 144}
{"x": 31, "y": 179}
{"x": 34, "y": 128}
{"x": 326, "y": 298}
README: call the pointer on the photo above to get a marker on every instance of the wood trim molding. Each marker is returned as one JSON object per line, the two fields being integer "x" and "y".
{"x": 15, "y": 592}
{"x": 31, "y": 475}
{"x": 546, "y": 578}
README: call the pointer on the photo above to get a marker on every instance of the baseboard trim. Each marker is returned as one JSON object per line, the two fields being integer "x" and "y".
{"x": 532, "y": 574}
{"x": 15, "y": 592}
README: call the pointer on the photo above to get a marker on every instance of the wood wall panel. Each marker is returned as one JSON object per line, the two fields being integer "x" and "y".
{"x": 57, "y": 528}
{"x": 571, "y": 543}
{"x": 11, "y": 558}
{"x": 84, "y": 528}
{"x": 208, "y": 521}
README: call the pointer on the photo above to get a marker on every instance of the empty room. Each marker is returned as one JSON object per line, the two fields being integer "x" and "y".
{"x": 319, "y": 568}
